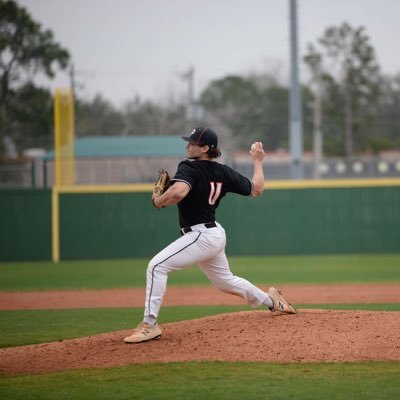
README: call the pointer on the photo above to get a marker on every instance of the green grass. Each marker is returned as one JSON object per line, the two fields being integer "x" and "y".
{"x": 259, "y": 270}
{"x": 213, "y": 380}
{"x": 40, "y": 326}
{"x": 208, "y": 380}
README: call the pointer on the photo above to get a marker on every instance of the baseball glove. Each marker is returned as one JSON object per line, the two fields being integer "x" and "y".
{"x": 162, "y": 184}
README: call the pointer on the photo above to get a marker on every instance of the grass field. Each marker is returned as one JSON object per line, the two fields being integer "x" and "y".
{"x": 213, "y": 380}
{"x": 259, "y": 270}
{"x": 207, "y": 380}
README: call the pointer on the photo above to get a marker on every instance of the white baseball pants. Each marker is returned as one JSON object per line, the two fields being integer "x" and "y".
{"x": 205, "y": 247}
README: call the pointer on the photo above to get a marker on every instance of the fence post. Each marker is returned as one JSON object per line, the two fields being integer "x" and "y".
{"x": 44, "y": 166}
{"x": 33, "y": 174}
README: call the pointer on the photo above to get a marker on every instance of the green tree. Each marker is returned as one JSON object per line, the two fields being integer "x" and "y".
{"x": 30, "y": 116}
{"x": 249, "y": 109}
{"x": 351, "y": 77}
{"x": 272, "y": 121}
{"x": 231, "y": 104}
{"x": 25, "y": 50}
{"x": 149, "y": 118}
{"x": 386, "y": 132}
{"x": 97, "y": 118}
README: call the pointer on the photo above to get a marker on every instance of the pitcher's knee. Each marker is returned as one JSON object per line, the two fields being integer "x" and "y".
{"x": 156, "y": 267}
{"x": 150, "y": 265}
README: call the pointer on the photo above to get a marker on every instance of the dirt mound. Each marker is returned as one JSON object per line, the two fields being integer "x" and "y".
{"x": 309, "y": 336}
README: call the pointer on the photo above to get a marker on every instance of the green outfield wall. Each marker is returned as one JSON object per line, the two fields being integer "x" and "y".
{"x": 113, "y": 225}
{"x": 308, "y": 221}
{"x": 25, "y": 224}
{"x": 120, "y": 224}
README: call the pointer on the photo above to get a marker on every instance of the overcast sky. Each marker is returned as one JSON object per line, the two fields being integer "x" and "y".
{"x": 123, "y": 48}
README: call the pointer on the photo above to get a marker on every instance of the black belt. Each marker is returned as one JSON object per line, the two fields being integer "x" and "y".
{"x": 207, "y": 225}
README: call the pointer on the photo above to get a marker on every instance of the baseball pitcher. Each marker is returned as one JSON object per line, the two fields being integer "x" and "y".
{"x": 197, "y": 188}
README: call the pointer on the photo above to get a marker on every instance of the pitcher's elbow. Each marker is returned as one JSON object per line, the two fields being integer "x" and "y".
{"x": 257, "y": 191}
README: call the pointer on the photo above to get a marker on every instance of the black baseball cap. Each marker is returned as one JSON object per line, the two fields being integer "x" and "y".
{"x": 203, "y": 136}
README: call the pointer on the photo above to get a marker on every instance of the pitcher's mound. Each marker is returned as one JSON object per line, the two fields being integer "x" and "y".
{"x": 309, "y": 336}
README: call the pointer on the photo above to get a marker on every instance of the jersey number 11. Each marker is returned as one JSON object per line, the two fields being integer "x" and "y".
{"x": 215, "y": 191}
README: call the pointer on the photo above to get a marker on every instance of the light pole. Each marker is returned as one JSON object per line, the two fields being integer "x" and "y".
{"x": 295, "y": 115}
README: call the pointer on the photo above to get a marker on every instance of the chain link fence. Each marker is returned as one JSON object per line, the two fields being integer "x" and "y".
{"x": 39, "y": 173}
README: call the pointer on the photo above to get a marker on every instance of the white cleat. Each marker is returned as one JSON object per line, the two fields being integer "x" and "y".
{"x": 280, "y": 304}
{"x": 144, "y": 332}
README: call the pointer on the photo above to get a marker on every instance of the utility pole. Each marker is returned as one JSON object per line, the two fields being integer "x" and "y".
{"x": 317, "y": 136}
{"x": 72, "y": 83}
{"x": 190, "y": 75}
{"x": 72, "y": 77}
{"x": 295, "y": 115}
{"x": 190, "y": 106}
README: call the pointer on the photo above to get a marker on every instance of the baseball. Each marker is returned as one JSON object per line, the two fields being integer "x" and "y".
{"x": 253, "y": 147}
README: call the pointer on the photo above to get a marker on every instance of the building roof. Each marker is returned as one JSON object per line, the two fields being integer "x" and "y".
{"x": 126, "y": 146}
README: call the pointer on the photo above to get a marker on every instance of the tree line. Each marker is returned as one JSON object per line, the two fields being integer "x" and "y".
{"x": 359, "y": 104}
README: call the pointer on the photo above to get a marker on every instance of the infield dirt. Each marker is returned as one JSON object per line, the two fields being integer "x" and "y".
{"x": 183, "y": 296}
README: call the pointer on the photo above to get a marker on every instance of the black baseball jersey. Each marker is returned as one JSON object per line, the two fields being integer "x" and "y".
{"x": 209, "y": 181}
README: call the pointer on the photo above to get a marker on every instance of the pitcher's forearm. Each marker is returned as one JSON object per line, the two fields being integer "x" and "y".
{"x": 172, "y": 196}
{"x": 258, "y": 178}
